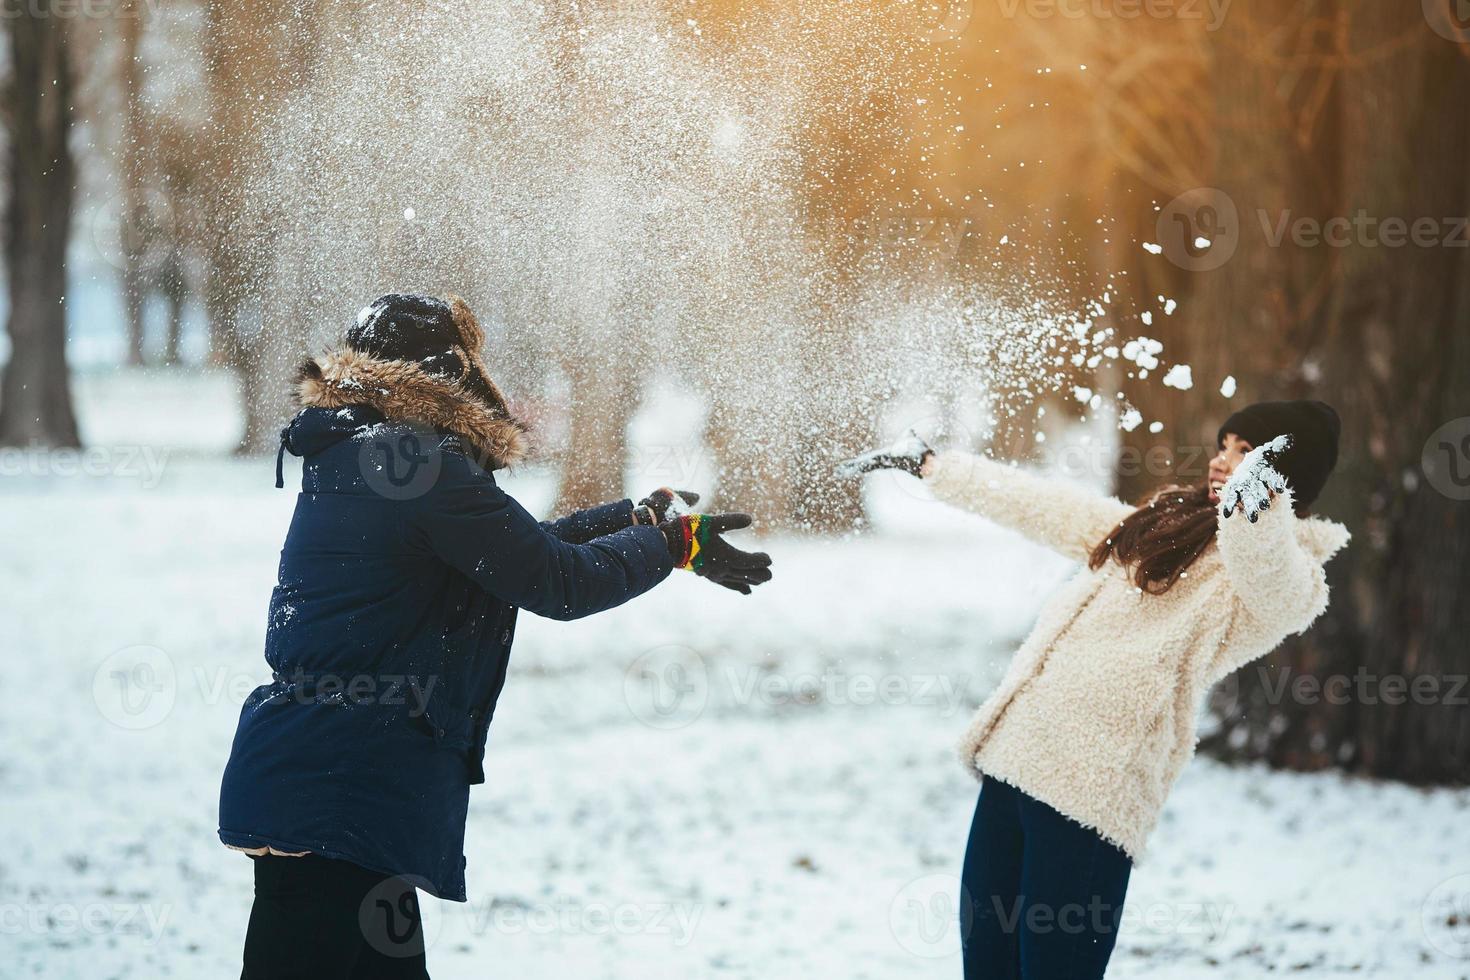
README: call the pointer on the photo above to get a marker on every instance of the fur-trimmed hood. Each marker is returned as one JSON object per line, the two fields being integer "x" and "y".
{"x": 407, "y": 391}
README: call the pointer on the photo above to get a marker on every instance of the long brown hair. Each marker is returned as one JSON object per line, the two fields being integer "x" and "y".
{"x": 1162, "y": 538}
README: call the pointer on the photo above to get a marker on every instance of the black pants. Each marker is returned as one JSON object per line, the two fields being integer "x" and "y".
{"x": 319, "y": 919}
{"x": 1042, "y": 895}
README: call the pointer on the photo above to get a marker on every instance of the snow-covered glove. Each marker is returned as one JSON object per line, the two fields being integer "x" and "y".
{"x": 662, "y": 504}
{"x": 907, "y": 454}
{"x": 1254, "y": 481}
{"x": 696, "y": 544}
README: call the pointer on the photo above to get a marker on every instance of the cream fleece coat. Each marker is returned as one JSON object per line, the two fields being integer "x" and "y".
{"x": 1096, "y": 714}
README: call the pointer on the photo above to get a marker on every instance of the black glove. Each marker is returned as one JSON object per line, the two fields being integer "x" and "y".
{"x": 660, "y": 505}
{"x": 1254, "y": 481}
{"x": 908, "y": 454}
{"x": 696, "y": 544}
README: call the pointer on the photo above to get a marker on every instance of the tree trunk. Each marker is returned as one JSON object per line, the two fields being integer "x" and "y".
{"x": 262, "y": 387}
{"x": 257, "y": 55}
{"x": 134, "y": 221}
{"x": 603, "y": 399}
{"x": 1377, "y": 685}
{"x": 35, "y": 394}
{"x": 753, "y": 479}
{"x": 1261, "y": 315}
{"x": 175, "y": 289}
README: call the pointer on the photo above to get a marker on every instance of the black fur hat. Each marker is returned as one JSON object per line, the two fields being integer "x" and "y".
{"x": 1314, "y": 429}
{"x": 406, "y": 327}
{"x": 418, "y": 358}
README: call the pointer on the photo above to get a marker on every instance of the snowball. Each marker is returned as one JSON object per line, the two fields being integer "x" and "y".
{"x": 1179, "y": 376}
{"x": 1228, "y": 387}
{"x": 1142, "y": 351}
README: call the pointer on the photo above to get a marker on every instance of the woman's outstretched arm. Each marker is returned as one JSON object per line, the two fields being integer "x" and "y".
{"x": 1065, "y": 517}
{"x": 1061, "y": 515}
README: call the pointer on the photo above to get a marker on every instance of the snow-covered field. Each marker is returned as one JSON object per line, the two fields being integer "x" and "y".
{"x": 693, "y": 785}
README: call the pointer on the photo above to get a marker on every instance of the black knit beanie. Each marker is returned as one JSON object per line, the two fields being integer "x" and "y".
{"x": 406, "y": 327}
{"x": 1314, "y": 428}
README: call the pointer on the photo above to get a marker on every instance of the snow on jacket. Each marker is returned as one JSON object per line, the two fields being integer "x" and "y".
{"x": 1096, "y": 713}
{"x": 389, "y": 636}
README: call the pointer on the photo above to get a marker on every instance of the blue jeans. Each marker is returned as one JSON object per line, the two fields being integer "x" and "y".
{"x": 1042, "y": 895}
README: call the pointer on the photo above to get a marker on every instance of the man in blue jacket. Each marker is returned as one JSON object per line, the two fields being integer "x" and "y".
{"x": 390, "y": 632}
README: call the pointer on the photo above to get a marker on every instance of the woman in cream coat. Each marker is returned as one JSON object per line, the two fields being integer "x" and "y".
{"x": 1093, "y": 722}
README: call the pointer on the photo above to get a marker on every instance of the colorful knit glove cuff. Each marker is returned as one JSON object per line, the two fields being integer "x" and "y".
{"x": 687, "y": 537}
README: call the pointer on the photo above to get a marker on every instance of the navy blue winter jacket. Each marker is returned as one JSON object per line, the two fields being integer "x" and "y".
{"x": 389, "y": 636}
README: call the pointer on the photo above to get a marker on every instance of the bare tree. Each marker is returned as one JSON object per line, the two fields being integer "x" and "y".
{"x": 256, "y": 54}
{"x": 134, "y": 220}
{"x": 35, "y": 395}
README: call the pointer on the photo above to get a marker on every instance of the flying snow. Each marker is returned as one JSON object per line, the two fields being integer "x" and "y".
{"x": 1179, "y": 376}
{"x": 599, "y": 183}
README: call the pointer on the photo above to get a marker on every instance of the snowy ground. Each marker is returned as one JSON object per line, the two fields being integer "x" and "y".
{"x": 797, "y": 812}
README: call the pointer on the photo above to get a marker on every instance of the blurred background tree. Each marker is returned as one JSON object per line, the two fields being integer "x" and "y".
{"x": 1372, "y": 123}
{"x": 35, "y": 389}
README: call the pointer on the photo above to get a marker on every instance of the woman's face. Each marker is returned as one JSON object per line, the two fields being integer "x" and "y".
{"x": 1232, "y": 451}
